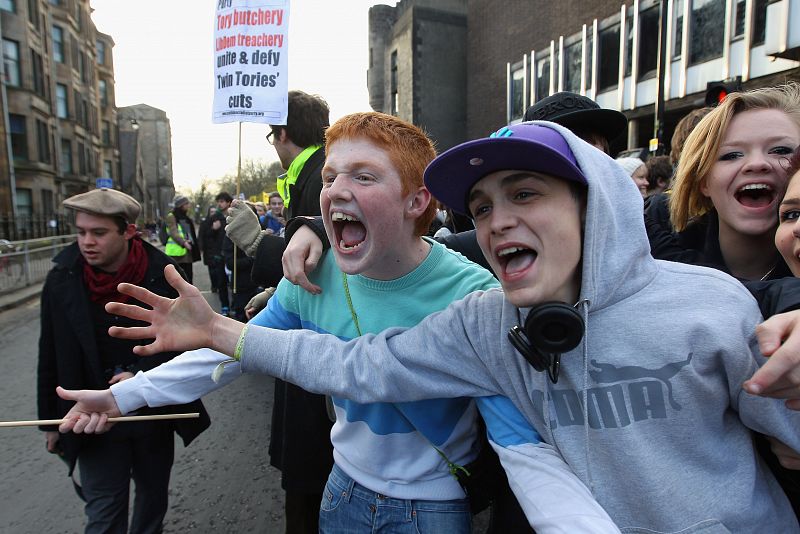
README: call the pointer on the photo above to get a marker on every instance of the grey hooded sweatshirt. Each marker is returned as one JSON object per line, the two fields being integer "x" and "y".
{"x": 654, "y": 421}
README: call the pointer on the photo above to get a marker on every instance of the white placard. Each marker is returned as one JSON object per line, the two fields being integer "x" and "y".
{"x": 251, "y": 61}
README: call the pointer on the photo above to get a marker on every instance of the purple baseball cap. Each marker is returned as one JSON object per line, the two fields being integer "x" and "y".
{"x": 522, "y": 147}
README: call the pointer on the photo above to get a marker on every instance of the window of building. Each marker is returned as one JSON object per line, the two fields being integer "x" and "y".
{"x": 66, "y": 156}
{"x": 707, "y": 35}
{"x": 78, "y": 15}
{"x": 395, "y": 98}
{"x": 101, "y": 52}
{"x": 81, "y": 158}
{"x": 38, "y": 74}
{"x": 517, "y": 96}
{"x": 11, "y": 62}
{"x": 48, "y": 206}
{"x": 648, "y": 42}
{"x": 543, "y": 77}
{"x": 759, "y": 21}
{"x": 33, "y": 11}
{"x": 106, "y": 133}
{"x": 628, "y": 43}
{"x": 608, "y": 59}
{"x": 24, "y": 202}
{"x": 90, "y": 159}
{"x": 62, "y": 101}
{"x": 108, "y": 168}
{"x": 58, "y": 44}
{"x": 738, "y": 18}
{"x": 588, "y": 56}
{"x": 43, "y": 141}
{"x": 76, "y": 99}
{"x": 19, "y": 137}
{"x": 8, "y": 5}
{"x": 102, "y": 87}
{"x": 572, "y": 68}
{"x": 677, "y": 28}
{"x": 56, "y": 2}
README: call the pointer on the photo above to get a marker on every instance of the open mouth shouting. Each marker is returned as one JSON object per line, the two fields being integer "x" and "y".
{"x": 514, "y": 260}
{"x": 349, "y": 231}
{"x": 758, "y": 195}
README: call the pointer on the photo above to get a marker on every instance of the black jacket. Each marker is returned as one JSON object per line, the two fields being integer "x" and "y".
{"x": 300, "y": 441}
{"x": 68, "y": 353}
{"x": 211, "y": 240}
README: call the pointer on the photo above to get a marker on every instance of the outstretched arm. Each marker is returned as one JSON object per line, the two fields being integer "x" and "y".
{"x": 181, "y": 324}
{"x": 779, "y": 340}
{"x": 91, "y": 411}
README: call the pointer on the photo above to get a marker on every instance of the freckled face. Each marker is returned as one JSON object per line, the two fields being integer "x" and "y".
{"x": 529, "y": 228}
{"x": 364, "y": 210}
{"x": 749, "y": 175}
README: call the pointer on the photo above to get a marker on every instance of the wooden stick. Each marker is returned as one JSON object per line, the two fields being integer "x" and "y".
{"x": 110, "y": 419}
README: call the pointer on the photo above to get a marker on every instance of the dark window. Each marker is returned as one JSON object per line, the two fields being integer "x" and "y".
{"x": 11, "y": 62}
{"x": 628, "y": 43}
{"x": 395, "y": 98}
{"x": 106, "y": 133}
{"x": 76, "y": 98}
{"x": 19, "y": 137}
{"x": 66, "y": 156}
{"x": 707, "y": 34}
{"x": 43, "y": 140}
{"x": 517, "y": 93}
{"x": 543, "y": 77}
{"x": 33, "y": 11}
{"x": 759, "y": 21}
{"x": 738, "y": 18}
{"x": 58, "y": 44}
{"x": 588, "y": 55}
{"x": 108, "y": 169}
{"x": 8, "y": 5}
{"x": 24, "y": 202}
{"x": 81, "y": 158}
{"x": 572, "y": 68}
{"x": 75, "y": 54}
{"x": 90, "y": 160}
{"x": 48, "y": 207}
{"x": 608, "y": 75}
{"x": 62, "y": 101}
{"x": 102, "y": 87}
{"x": 648, "y": 42}
{"x": 38, "y": 74}
{"x": 677, "y": 28}
{"x": 101, "y": 52}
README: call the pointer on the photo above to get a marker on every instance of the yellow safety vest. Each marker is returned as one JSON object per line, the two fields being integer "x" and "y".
{"x": 172, "y": 248}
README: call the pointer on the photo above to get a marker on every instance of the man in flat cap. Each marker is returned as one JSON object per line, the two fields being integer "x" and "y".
{"x": 75, "y": 349}
{"x": 182, "y": 240}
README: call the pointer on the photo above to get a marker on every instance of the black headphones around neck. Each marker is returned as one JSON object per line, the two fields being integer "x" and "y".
{"x": 551, "y": 329}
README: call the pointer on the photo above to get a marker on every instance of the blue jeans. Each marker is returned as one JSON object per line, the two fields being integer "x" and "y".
{"x": 350, "y": 508}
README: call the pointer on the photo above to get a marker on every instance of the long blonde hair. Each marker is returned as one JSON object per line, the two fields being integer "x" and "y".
{"x": 699, "y": 155}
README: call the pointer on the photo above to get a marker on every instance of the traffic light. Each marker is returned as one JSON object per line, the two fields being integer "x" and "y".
{"x": 717, "y": 91}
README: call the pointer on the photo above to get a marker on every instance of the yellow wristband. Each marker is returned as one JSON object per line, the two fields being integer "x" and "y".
{"x": 237, "y": 353}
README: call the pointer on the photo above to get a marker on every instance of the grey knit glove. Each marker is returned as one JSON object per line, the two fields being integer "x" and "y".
{"x": 243, "y": 228}
{"x": 257, "y": 303}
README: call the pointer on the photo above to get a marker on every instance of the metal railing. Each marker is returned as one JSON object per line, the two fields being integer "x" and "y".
{"x": 23, "y": 263}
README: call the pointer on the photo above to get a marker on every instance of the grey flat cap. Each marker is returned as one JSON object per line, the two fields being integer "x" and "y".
{"x": 106, "y": 202}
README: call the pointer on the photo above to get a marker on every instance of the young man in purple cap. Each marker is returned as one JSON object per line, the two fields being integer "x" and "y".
{"x": 659, "y": 429}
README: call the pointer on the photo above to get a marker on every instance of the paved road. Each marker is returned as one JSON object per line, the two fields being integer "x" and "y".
{"x": 221, "y": 483}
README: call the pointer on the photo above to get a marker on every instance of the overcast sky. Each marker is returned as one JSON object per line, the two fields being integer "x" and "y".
{"x": 163, "y": 57}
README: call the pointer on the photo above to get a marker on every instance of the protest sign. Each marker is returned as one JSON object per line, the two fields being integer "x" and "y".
{"x": 250, "y": 61}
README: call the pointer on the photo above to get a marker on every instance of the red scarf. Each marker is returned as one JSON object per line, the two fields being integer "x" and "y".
{"x": 103, "y": 286}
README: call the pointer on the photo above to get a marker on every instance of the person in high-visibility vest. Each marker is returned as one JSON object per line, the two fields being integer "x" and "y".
{"x": 182, "y": 241}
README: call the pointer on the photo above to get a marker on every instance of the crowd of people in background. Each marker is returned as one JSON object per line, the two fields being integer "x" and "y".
{"x": 354, "y": 242}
